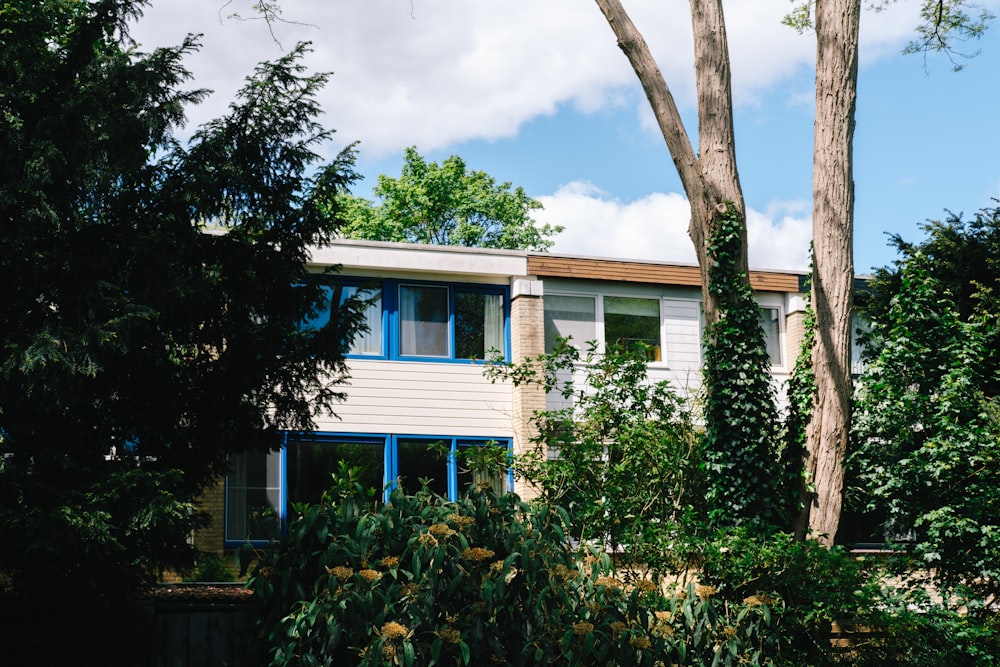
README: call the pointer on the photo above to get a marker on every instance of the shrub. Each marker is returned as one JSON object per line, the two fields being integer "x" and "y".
{"x": 630, "y": 469}
{"x": 485, "y": 580}
{"x": 816, "y": 586}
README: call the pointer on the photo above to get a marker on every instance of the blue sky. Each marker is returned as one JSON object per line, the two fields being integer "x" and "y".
{"x": 535, "y": 92}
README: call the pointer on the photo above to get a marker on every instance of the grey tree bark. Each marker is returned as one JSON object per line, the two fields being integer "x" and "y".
{"x": 837, "y": 24}
{"x": 709, "y": 177}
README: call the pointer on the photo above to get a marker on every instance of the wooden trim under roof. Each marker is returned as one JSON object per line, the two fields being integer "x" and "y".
{"x": 554, "y": 266}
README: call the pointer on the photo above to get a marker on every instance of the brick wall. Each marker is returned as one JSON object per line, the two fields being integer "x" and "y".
{"x": 527, "y": 340}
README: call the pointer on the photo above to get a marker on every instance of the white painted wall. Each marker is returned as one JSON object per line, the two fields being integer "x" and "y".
{"x": 422, "y": 398}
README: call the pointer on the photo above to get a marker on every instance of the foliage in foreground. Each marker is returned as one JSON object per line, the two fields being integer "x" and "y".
{"x": 153, "y": 295}
{"x": 484, "y": 580}
{"x": 493, "y": 580}
{"x": 629, "y": 465}
{"x": 927, "y": 429}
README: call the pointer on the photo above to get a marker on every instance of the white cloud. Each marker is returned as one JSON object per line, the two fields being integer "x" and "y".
{"x": 438, "y": 72}
{"x": 655, "y": 228}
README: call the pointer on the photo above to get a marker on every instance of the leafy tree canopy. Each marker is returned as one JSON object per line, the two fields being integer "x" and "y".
{"x": 153, "y": 294}
{"x": 446, "y": 204}
{"x": 928, "y": 417}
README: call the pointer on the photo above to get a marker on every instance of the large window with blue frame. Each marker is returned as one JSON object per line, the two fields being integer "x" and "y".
{"x": 262, "y": 488}
{"x": 424, "y": 321}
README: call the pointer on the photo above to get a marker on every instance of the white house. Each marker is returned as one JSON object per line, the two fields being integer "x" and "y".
{"x": 417, "y": 393}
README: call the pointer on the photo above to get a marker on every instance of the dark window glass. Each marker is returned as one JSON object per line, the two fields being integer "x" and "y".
{"x": 252, "y": 496}
{"x": 423, "y": 459}
{"x": 478, "y": 325}
{"x": 311, "y": 466}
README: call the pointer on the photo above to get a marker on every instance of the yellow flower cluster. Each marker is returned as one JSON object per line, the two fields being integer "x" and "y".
{"x": 394, "y": 630}
{"x": 441, "y": 531}
{"x": 450, "y": 636}
{"x": 661, "y": 626}
{"x": 390, "y": 562}
{"x": 477, "y": 554}
{"x": 646, "y": 586}
{"x": 461, "y": 521}
{"x": 704, "y": 592}
{"x": 609, "y": 582}
{"x": 758, "y": 600}
{"x": 370, "y": 575}
{"x": 341, "y": 572}
{"x": 582, "y": 628}
{"x": 641, "y": 643}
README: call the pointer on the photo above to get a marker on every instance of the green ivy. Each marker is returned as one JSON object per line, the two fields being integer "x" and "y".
{"x": 801, "y": 392}
{"x": 741, "y": 420}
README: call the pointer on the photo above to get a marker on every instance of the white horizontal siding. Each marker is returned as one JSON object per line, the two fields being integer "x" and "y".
{"x": 682, "y": 318}
{"x": 422, "y": 398}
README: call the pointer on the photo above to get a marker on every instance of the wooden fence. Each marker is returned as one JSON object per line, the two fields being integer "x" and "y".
{"x": 199, "y": 626}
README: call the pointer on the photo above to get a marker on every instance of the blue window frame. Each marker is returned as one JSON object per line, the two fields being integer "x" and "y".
{"x": 447, "y": 321}
{"x": 413, "y": 320}
{"x": 262, "y": 487}
{"x": 370, "y": 342}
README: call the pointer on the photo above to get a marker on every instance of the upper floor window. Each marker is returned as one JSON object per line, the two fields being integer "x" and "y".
{"x": 770, "y": 320}
{"x": 572, "y": 317}
{"x": 368, "y": 341}
{"x": 450, "y": 321}
{"x": 424, "y": 321}
{"x": 630, "y": 321}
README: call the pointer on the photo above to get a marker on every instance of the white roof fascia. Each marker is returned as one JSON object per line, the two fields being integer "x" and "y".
{"x": 406, "y": 257}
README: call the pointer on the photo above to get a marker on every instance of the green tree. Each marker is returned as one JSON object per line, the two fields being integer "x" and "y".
{"x": 928, "y": 428}
{"x": 928, "y": 421}
{"x": 629, "y": 468}
{"x": 446, "y": 204}
{"x": 150, "y": 324}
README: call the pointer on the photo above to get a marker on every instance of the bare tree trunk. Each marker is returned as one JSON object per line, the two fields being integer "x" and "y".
{"x": 709, "y": 179}
{"x": 837, "y": 26}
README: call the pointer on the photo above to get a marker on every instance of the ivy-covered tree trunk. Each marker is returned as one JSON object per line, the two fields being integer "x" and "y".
{"x": 837, "y": 25}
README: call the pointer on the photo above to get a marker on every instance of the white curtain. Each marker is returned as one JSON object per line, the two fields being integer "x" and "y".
{"x": 492, "y": 324}
{"x": 368, "y": 342}
{"x": 423, "y": 320}
{"x": 570, "y": 317}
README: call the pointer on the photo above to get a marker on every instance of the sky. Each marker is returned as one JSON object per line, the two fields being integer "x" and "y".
{"x": 537, "y": 93}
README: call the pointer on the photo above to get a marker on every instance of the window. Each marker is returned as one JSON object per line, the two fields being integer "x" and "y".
{"x": 253, "y": 496}
{"x": 421, "y": 459}
{"x": 770, "y": 320}
{"x": 459, "y": 322}
{"x": 367, "y": 342}
{"x": 479, "y": 324}
{"x": 569, "y": 317}
{"x": 262, "y": 486}
{"x": 312, "y": 463}
{"x": 629, "y": 322}
{"x": 423, "y": 321}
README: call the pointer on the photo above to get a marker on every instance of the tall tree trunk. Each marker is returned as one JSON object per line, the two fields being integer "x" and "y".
{"x": 709, "y": 179}
{"x": 837, "y": 25}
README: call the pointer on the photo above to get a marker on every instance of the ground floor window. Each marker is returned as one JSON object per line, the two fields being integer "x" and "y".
{"x": 263, "y": 488}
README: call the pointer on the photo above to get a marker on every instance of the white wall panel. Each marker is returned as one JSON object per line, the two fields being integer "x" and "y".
{"x": 422, "y": 398}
